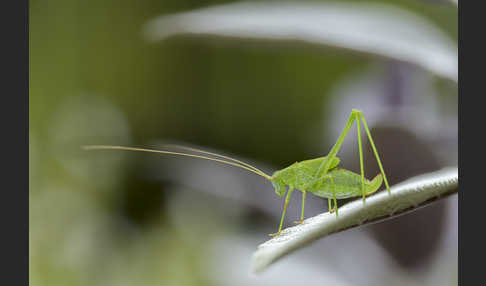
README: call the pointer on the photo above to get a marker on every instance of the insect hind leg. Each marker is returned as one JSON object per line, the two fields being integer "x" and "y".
{"x": 360, "y": 147}
{"x": 361, "y": 116}
{"x": 325, "y": 165}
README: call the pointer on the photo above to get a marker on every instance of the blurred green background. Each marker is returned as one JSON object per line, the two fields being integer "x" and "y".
{"x": 117, "y": 218}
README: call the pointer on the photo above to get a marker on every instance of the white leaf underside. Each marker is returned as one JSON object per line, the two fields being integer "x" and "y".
{"x": 405, "y": 197}
{"x": 381, "y": 30}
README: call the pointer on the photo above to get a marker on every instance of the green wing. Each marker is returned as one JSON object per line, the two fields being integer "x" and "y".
{"x": 304, "y": 172}
{"x": 301, "y": 174}
{"x": 313, "y": 164}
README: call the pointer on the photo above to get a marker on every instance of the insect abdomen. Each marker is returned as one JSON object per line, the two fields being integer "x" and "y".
{"x": 346, "y": 183}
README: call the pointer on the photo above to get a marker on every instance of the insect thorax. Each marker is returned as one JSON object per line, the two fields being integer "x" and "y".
{"x": 279, "y": 183}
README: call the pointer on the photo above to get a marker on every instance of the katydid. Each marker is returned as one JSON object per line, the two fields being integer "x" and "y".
{"x": 320, "y": 176}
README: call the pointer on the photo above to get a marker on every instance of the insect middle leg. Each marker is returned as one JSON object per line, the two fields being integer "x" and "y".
{"x": 303, "y": 206}
{"x": 333, "y": 190}
{"x": 331, "y": 209}
{"x": 287, "y": 199}
{"x": 334, "y": 197}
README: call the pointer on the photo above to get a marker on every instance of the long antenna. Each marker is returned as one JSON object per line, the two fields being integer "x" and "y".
{"x": 111, "y": 147}
{"x": 213, "y": 154}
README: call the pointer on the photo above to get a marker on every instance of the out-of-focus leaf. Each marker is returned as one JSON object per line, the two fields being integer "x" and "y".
{"x": 376, "y": 29}
{"x": 406, "y": 196}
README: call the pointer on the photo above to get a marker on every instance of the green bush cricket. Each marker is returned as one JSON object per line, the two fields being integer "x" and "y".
{"x": 320, "y": 176}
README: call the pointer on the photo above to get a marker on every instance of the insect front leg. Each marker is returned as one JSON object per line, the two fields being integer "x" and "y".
{"x": 287, "y": 199}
